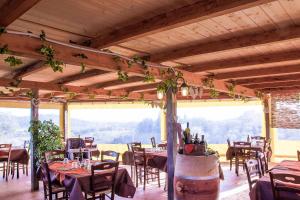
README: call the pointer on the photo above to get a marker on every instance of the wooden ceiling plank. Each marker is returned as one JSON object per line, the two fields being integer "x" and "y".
{"x": 27, "y": 47}
{"x": 188, "y": 14}
{"x": 244, "y": 62}
{"x": 275, "y": 85}
{"x": 265, "y": 72}
{"x": 28, "y": 70}
{"x": 140, "y": 88}
{"x": 77, "y": 77}
{"x": 289, "y": 33}
{"x": 13, "y": 9}
{"x": 271, "y": 79}
{"x": 117, "y": 82}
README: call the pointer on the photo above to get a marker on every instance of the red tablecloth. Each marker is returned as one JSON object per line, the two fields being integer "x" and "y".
{"x": 262, "y": 190}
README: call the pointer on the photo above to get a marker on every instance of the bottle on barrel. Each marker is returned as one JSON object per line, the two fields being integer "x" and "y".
{"x": 188, "y": 133}
{"x": 203, "y": 145}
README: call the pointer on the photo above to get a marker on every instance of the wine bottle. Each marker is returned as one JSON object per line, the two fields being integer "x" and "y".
{"x": 188, "y": 133}
{"x": 248, "y": 138}
{"x": 203, "y": 143}
{"x": 196, "y": 140}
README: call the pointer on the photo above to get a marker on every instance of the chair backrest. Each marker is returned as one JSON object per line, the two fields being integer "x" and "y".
{"x": 88, "y": 142}
{"x": 298, "y": 154}
{"x": 243, "y": 149}
{"x": 75, "y": 143}
{"x": 103, "y": 176}
{"x": 45, "y": 175}
{"x": 133, "y": 144}
{"x": 284, "y": 183}
{"x": 153, "y": 143}
{"x": 242, "y": 143}
{"x": 263, "y": 162}
{"x": 112, "y": 156}
{"x": 55, "y": 155}
{"x": 253, "y": 171}
{"x": 228, "y": 142}
{"x": 139, "y": 156}
{"x": 5, "y": 151}
{"x": 258, "y": 138}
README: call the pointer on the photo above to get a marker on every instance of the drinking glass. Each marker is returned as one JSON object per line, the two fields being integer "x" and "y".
{"x": 66, "y": 160}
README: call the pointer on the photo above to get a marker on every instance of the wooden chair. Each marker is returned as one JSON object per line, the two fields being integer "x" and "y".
{"x": 51, "y": 189}
{"x": 258, "y": 138}
{"x": 143, "y": 172}
{"x": 129, "y": 146}
{"x": 5, "y": 152}
{"x": 253, "y": 171}
{"x": 112, "y": 156}
{"x": 102, "y": 183}
{"x": 263, "y": 163}
{"x": 88, "y": 142}
{"x": 298, "y": 154}
{"x": 153, "y": 143}
{"x": 163, "y": 146}
{"x": 241, "y": 154}
{"x": 232, "y": 160}
{"x": 16, "y": 165}
{"x": 55, "y": 155}
{"x": 283, "y": 184}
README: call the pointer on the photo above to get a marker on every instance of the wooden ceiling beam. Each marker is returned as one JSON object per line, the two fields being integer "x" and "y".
{"x": 271, "y": 79}
{"x": 245, "y": 41}
{"x": 292, "y": 89}
{"x": 143, "y": 88}
{"x": 28, "y": 70}
{"x": 4, "y": 82}
{"x": 113, "y": 83}
{"x": 261, "y": 72}
{"x": 244, "y": 62}
{"x": 200, "y": 10}
{"x": 275, "y": 85}
{"x": 13, "y": 9}
{"x": 27, "y": 46}
{"x": 77, "y": 77}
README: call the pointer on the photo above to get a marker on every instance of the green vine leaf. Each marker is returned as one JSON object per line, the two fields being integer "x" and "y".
{"x": 29, "y": 94}
{"x": 49, "y": 52}
{"x": 4, "y": 49}
{"x": 231, "y": 89}
{"x": 64, "y": 89}
{"x": 259, "y": 94}
{"x": 149, "y": 78}
{"x": 122, "y": 76}
{"x": 71, "y": 95}
{"x": 87, "y": 43}
{"x": 209, "y": 83}
{"x": 80, "y": 55}
{"x": 82, "y": 65}
{"x": 13, "y": 61}
{"x": 43, "y": 35}
{"x": 2, "y": 30}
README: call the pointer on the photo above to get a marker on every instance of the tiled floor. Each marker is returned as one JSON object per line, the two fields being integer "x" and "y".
{"x": 232, "y": 188}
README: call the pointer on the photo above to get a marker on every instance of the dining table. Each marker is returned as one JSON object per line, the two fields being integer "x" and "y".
{"x": 253, "y": 147}
{"x": 262, "y": 190}
{"x": 77, "y": 180}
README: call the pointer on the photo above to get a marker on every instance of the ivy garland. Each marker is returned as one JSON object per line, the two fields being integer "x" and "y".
{"x": 122, "y": 76}
{"x": 82, "y": 56}
{"x": 13, "y": 61}
{"x": 170, "y": 82}
{"x": 48, "y": 52}
{"x": 149, "y": 78}
{"x": 209, "y": 82}
{"x": 231, "y": 88}
{"x": 142, "y": 97}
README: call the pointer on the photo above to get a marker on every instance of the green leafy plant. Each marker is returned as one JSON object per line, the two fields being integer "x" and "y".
{"x": 122, "y": 76}
{"x": 43, "y": 35}
{"x": 231, "y": 89}
{"x": 209, "y": 83}
{"x": 149, "y": 78}
{"x": 82, "y": 56}
{"x": 29, "y": 94}
{"x": 46, "y": 136}
{"x": 13, "y": 61}
{"x": 259, "y": 94}
{"x": 49, "y": 52}
{"x": 4, "y": 49}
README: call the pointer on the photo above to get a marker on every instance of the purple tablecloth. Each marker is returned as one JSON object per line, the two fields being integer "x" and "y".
{"x": 262, "y": 190}
{"x": 76, "y": 183}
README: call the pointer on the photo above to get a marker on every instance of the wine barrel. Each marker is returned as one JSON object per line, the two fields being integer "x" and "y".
{"x": 196, "y": 177}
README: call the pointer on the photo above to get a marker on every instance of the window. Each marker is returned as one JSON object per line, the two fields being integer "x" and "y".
{"x": 288, "y": 134}
{"x": 116, "y": 126}
{"x": 221, "y": 122}
{"x": 15, "y": 122}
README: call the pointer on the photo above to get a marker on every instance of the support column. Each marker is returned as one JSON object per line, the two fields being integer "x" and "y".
{"x": 68, "y": 120}
{"x": 267, "y": 112}
{"x": 163, "y": 125}
{"x": 62, "y": 120}
{"x": 171, "y": 140}
{"x": 34, "y": 118}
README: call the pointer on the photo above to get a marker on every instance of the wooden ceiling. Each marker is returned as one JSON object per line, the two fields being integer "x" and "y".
{"x": 255, "y": 43}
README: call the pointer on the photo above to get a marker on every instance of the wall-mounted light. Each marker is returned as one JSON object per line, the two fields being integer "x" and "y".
{"x": 184, "y": 89}
{"x": 160, "y": 94}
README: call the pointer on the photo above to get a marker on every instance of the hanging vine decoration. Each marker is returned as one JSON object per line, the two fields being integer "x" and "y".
{"x": 125, "y": 96}
{"x": 259, "y": 94}
{"x": 2, "y": 30}
{"x": 4, "y": 49}
{"x": 82, "y": 65}
{"x": 29, "y": 94}
{"x": 171, "y": 81}
{"x": 92, "y": 95}
{"x": 48, "y": 52}
{"x": 231, "y": 89}
{"x": 71, "y": 95}
{"x": 209, "y": 83}
{"x": 243, "y": 98}
{"x": 13, "y": 61}
{"x": 149, "y": 78}
{"x": 15, "y": 83}
{"x": 123, "y": 76}
{"x": 64, "y": 89}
